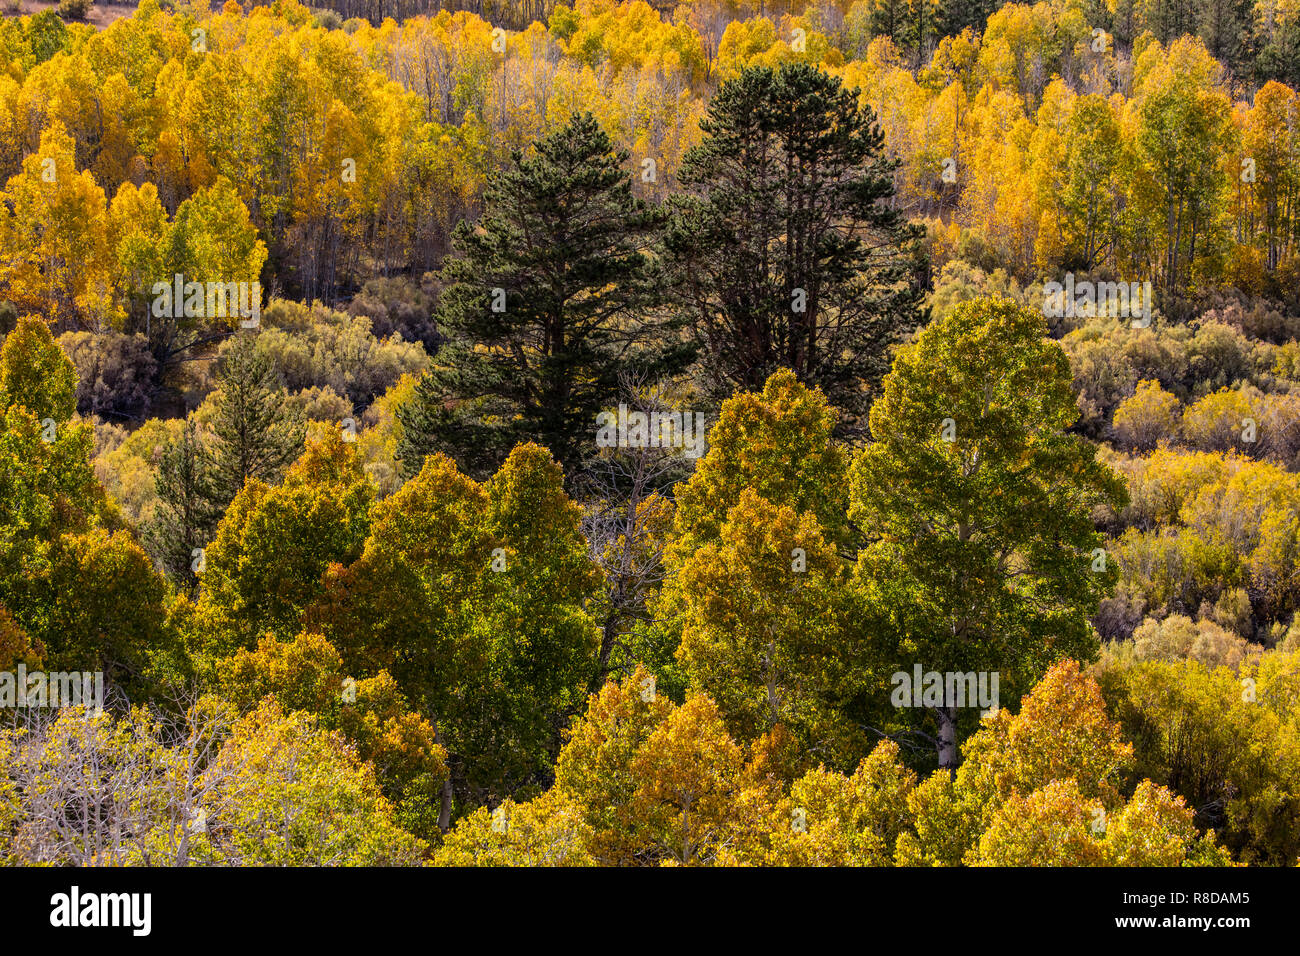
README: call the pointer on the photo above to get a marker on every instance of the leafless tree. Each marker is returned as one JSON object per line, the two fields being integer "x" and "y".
{"x": 93, "y": 789}
{"x": 627, "y": 494}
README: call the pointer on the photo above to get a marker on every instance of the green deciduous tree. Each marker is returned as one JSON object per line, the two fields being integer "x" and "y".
{"x": 272, "y": 548}
{"x": 472, "y": 596}
{"x": 36, "y": 374}
{"x": 769, "y": 630}
{"x": 980, "y": 505}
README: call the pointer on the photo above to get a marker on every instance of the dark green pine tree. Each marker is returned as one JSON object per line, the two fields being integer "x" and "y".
{"x": 1279, "y": 57}
{"x": 257, "y": 435}
{"x": 919, "y": 32}
{"x": 550, "y": 297}
{"x": 1227, "y": 28}
{"x": 789, "y": 253}
{"x": 886, "y": 18}
{"x": 186, "y": 517}
{"x": 953, "y": 16}
{"x": 1170, "y": 19}
{"x": 915, "y": 26}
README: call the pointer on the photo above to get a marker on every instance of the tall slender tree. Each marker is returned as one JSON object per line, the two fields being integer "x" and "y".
{"x": 187, "y": 514}
{"x": 789, "y": 253}
{"x": 550, "y": 297}
{"x": 985, "y": 556}
{"x": 257, "y": 434}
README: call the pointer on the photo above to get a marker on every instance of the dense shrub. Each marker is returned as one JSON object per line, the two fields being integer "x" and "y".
{"x": 1224, "y": 421}
{"x": 318, "y": 347}
{"x": 1218, "y": 356}
{"x": 320, "y": 404}
{"x": 1178, "y": 637}
{"x": 399, "y": 307}
{"x": 1149, "y": 417}
{"x": 116, "y": 373}
{"x": 74, "y": 9}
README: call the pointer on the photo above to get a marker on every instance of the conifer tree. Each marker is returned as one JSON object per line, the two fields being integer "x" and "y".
{"x": 789, "y": 254}
{"x": 257, "y": 435}
{"x": 187, "y": 516}
{"x": 953, "y": 16}
{"x": 549, "y": 298}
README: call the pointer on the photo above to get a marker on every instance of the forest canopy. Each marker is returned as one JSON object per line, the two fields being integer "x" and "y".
{"x": 843, "y": 433}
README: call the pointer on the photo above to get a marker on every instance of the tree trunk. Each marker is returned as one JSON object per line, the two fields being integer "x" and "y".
{"x": 608, "y": 635}
{"x": 948, "y": 755}
{"x": 444, "y": 810}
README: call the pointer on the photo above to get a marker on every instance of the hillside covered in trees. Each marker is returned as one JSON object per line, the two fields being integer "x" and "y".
{"x": 632, "y": 435}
